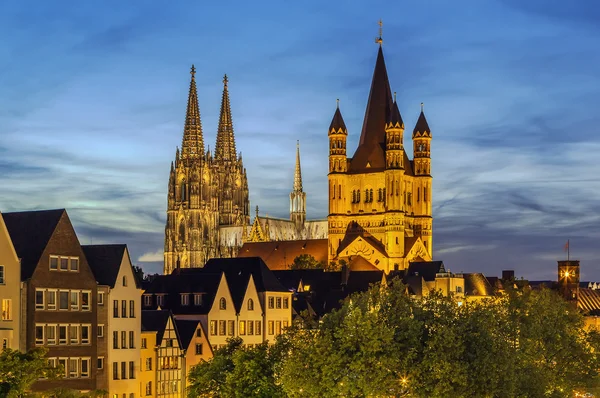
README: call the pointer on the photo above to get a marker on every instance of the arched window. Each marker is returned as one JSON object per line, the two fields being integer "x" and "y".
{"x": 250, "y": 305}
{"x": 371, "y": 195}
{"x": 353, "y": 196}
{"x": 358, "y": 196}
{"x": 124, "y": 280}
{"x": 332, "y": 144}
{"x": 183, "y": 190}
{"x": 222, "y": 303}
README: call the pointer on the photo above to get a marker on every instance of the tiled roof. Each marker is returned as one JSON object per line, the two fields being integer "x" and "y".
{"x": 426, "y": 269}
{"x": 187, "y": 330}
{"x": 30, "y": 232}
{"x": 263, "y": 277}
{"x": 105, "y": 262}
{"x": 279, "y": 255}
{"x": 156, "y": 321}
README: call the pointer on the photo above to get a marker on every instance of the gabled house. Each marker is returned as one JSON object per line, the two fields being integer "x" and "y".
{"x": 59, "y": 295}
{"x": 195, "y": 345}
{"x": 10, "y": 291}
{"x": 119, "y": 318}
{"x": 169, "y": 374}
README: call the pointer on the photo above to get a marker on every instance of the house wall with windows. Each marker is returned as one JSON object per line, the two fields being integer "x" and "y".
{"x": 222, "y": 317}
{"x": 61, "y": 310}
{"x": 124, "y": 326}
{"x": 103, "y": 339}
{"x": 277, "y": 313}
{"x": 250, "y": 317}
{"x": 10, "y": 291}
{"x": 147, "y": 372}
{"x": 169, "y": 364}
{"x": 198, "y": 350}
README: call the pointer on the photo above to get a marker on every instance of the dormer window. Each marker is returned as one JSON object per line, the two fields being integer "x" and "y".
{"x": 198, "y": 299}
{"x": 185, "y": 299}
{"x": 250, "y": 305}
{"x": 222, "y": 303}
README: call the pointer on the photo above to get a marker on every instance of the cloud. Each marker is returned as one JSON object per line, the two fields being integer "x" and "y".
{"x": 152, "y": 257}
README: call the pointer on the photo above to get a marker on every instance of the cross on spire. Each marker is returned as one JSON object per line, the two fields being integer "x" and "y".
{"x": 379, "y": 40}
{"x": 193, "y": 71}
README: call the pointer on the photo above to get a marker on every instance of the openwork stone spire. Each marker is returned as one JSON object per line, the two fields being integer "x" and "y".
{"x": 192, "y": 146}
{"x": 298, "y": 172}
{"x": 225, "y": 149}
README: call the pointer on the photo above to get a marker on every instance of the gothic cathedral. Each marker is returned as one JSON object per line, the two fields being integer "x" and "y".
{"x": 379, "y": 200}
{"x": 207, "y": 194}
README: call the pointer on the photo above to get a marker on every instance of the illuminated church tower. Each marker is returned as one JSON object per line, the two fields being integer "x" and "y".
{"x": 379, "y": 199}
{"x": 298, "y": 196}
{"x": 207, "y": 204}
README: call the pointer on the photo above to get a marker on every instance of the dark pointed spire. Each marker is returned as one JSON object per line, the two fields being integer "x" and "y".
{"x": 225, "y": 148}
{"x": 422, "y": 127}
{"x": 337, "y": 123}
{"x": 192, "y": 146}
{"x": 298, "y": 172}
{"x": 395, "y": 119}
{"x": 378, "y": 106}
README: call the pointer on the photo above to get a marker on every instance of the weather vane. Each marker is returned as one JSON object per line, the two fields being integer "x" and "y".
{"x": 379, "y": 40}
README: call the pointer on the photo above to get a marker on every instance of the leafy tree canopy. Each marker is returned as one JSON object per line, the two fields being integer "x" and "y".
{"x": 19, "y": 370}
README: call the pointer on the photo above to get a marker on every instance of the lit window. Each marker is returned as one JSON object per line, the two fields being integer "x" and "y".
{"x": 148, "y": 363}
{"x": 74, "y": 334}
{"x": 242, "y": 328}
{"x": 222, "y": 303}
{"x": 85, "y": 300}
{"x": 198, "y": 349}
{"x": 250, "y": 305}
{"x": 7, "y": 309}
{"x": 258, "y": 327}
{"x": 271, "y": 328}
{"x": 51, "y": 299}
{"x": 39, "y": 334}
{"x": 286, "y": 302}
{"x": 250, "y": 328}
{"x": 213, "y": 328}
{"x": 285, "y": 324}
{"x": 278, "y": 302}
{"x": 149, "y": 388}
{"x": 278, "y": 327}
{"x": 74, "y": 264}
{"x": 51, "y": 334}
{"x": 74, "y": 300}
{"x": 39, "y": 299}
{"x": 271, "y": 302}
{"x": 222, "y": 328}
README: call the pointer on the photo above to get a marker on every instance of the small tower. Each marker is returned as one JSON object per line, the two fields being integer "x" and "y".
{"x": 338, "y": 163}
{"x": 298, "y": 196}
{"x": 394, "y": 136}
{"x": 422, "y": 168}
{"x": 568, "y": 280}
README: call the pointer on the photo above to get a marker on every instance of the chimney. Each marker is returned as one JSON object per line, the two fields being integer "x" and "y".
{"x": 508, "y": 274}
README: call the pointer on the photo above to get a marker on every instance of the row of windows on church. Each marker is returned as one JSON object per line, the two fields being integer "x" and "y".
{"x": 337, "y": 144}
{"x": 381, "y": 194}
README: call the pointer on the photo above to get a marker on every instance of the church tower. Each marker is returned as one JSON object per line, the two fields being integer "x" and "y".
{"x": 380, "y": 200}
{"x": 298, "y": 196}
{"x": 205, "y": 193}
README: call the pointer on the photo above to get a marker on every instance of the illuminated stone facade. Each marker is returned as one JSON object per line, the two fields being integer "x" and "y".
{"x": 208, "y": 205}
{"x": 379, "y": 199}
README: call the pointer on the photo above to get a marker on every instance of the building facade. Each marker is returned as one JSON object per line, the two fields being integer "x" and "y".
{"x": 10, "y": 291}
{"x": 147, "y": 373}
{"x": 60, "y": 296}
{"x": 379, "y": 199}
{"x": 119, "y": 318}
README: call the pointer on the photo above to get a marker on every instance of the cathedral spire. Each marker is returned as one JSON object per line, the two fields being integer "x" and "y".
{"x": 192, "y": 146}
{"x": 298, "y": 172}
{"x": 225, "y": 148}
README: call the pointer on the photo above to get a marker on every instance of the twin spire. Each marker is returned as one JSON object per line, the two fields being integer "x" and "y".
{"x": 298, "y": 172}
{"x": 192, "y": 146}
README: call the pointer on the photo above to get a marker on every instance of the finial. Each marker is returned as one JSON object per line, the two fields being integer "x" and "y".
{"x": 297, "y": 143}
{"x": 193, "y": 71}
{"x": 225, "y": 79}
{"x": 379, "y": 40}
{"x": 337, "y": 103}
{"x": 257, "y": 211}
{"x": 394, "y": 96}
{"x": 422, "y": 106}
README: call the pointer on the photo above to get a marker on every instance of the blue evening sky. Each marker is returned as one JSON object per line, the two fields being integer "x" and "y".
{"x": 93, "y": 94}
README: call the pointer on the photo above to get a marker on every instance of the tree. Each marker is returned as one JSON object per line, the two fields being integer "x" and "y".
{"x": 18, "y": 371}
{"x": 306, "y": 261}
{"x": 138, "y": 273}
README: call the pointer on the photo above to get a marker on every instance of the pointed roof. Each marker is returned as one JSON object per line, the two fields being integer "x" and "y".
{"x": 30, "y": 232}
{"x": 105, "y": 262}
{"x": 156, "y": 321}
{"x": 192, "y": 146}
{"x": 225, "y": 148}
{"x": 395, "y": 119}
{"x": 422, "y": 127}
{"x": 298, "y": 172}
{"x": 370, "y": 152}
{"x": 337, "y": 123}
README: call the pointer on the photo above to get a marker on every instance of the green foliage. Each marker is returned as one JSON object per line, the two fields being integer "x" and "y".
{"x": 383, "y": 343}
{"x": 18, "y": 371}
{"x": 69, "y": 393}
{"x": 306, "y": 261}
